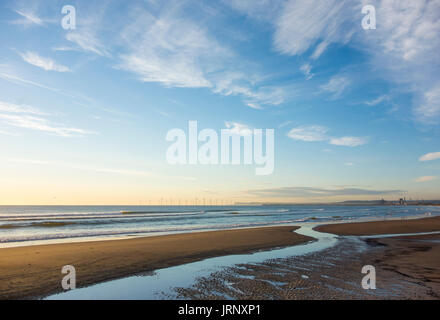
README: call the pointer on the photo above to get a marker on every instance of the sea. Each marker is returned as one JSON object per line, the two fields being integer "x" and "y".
{"x": 29, "y": 225}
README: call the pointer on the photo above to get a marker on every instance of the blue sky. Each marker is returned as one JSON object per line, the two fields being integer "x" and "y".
{"x": 84, "y": 113}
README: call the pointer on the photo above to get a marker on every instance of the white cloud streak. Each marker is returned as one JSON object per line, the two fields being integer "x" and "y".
{"x": 305, "y": 24}
{"x": 28, "y": 18}
{"x": 309, "y": 134}
{"x": 19, "y": 80}
{"x": 425, "y": 178}
{"x": 430, "y": 156}
{"x": 404, "y": 47}
{"x": 168, "y": 50}
{"x": 27, "y": 117}
{"x": 349, "y": 141}
{"x": 87, "y": 41}
{"x": 41, "y": 124}
{"x": 318, "y": 133}
{"x": 336, "y": 85}
{"x": 176, "y": 51}
{"x": 307, "y": 70}
{"x": 428, "y": 111}
{"x": 238, "y": 128}
{"x": 378, "y": 100}
{"x": 43, "y": 63}
{"x": 314, "y": 192}
{"x": 118, "y": 171}
{"x": 14, "y": 108}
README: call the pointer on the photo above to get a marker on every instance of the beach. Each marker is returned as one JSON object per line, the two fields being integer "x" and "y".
{"x": 407, "y": 267}
{"x": 396, "y": 226}
{"x": 35, "y": 271}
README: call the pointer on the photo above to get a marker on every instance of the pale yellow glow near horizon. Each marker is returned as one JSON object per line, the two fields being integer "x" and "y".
{"x": 42, "y": 184}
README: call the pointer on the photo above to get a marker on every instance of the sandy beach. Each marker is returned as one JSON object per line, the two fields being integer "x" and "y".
{"x": 382, "y": 227}
{"x": 35, "y": 271}
{"x": 407, "y": 267}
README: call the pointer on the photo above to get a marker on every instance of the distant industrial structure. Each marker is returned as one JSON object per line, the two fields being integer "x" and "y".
{"x": 381, "y": 202}
{"x": 402, "y": 202}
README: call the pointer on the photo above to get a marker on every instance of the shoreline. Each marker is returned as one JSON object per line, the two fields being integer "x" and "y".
{"x": 407, "y": 267}
{"x": 370, "y": 228}
{"x": 113, "y": 237}
{"x": 35, "y": 271}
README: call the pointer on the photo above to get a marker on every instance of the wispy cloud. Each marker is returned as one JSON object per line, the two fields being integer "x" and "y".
{"x": 118, "y": 171}
{"x": 11, "y": 77}
{"x": 319, "y": 133}
{"x": 238, "y": 128}
{"x": 313, "y": 24}
{"x": 43, "y": 63}
{"x": 309, "y": 134}
{"x": 168, "y": 49}
{"x": 82, "y": 100}
{"x": 349, "y": 141}
{"x": 307, "y": 70}
{"x": 410, "y": 30}
{"x": 377, "y": 100}
{"x": 311, "y": 192}
{"x": 405, "y": 49}
{"x": 86, "y": 41}
{"x": 85, "y": 167}
{"x": 92, "y": 23}
{"x": 336, "y": 85}
{"x": 175, "y": 50}
{"x": 428, "y": 111}
{"x": 41, "y": 124}
{"x": 14, "y": 108}
{"x": 28, "y": 18}
{"x": 27, "y": 117}
{"x": 233, "y": 83}
{"x": 425, "y": 178}
{"x": 285, "y": 123}
{"x": 430, "y": 156}
{"x": 319, "y": 50}
{"x": 264, "y": 10}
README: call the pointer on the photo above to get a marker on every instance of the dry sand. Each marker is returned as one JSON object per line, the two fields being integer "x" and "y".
{"x": 382, "y": 227}
{"x": 35, "y": 271}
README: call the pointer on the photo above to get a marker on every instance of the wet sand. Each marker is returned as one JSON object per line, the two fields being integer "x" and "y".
{"x": 382, "y": 227}
{"x": 416, "y": 257}
{"x": 35, "y": 271}
{"x": 407, "y": 267}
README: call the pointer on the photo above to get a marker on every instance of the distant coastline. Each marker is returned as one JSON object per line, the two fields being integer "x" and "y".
{"x": 347, "y": 203}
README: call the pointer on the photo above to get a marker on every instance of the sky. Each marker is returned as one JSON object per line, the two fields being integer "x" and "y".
{"x": 84, "y": 112}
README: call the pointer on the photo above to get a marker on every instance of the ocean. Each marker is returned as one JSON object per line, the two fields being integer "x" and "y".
{"x": 26, "y": 225}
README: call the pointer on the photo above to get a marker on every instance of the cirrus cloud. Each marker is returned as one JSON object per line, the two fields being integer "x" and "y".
{"x": 430, "y": 156}
{"x": 425, "y": 178}
{"x": 319, "y": 133}
{"x": 319, "y": 192}
{"x": 310, "y": 133}
{"x": 349, "y": 141}
{"x": 28, "y": 117}
{"x": 43, "y": 63}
